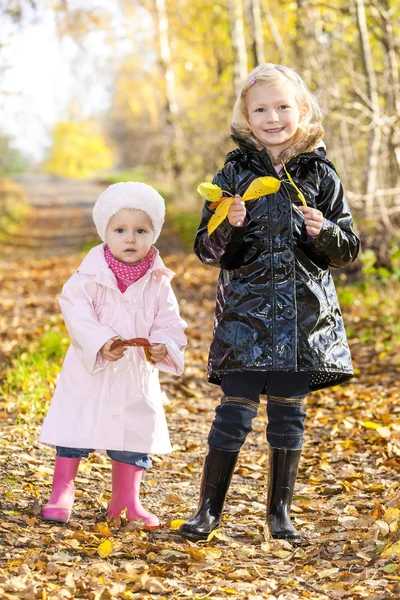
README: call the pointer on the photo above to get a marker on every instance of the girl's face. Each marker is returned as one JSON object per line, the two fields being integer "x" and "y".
{"x": 129, "y": 235}
{"x": 274, "y": 115}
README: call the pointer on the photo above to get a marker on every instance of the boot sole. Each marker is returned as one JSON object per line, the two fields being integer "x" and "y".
{"x": 58, "y": 518}
{"x": 54, "y": 520}
{"x": 197, "y": 537}
{"x": 296, "y": 541}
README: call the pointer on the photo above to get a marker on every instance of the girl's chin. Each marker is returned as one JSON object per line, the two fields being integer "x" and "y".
{"x": 128, "y": 259}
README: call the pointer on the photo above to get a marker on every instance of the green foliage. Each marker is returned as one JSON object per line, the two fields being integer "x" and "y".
{"x": 32, "y": 375}
{"x": 13, "y": 208}
{"x": 12, "y": 161}
{"x": 137, "y": 174}
{"x": 371, "y": 310}
{"x": 369, "y": 262}
{"x": 79, "y": 151}
{"x": 185, "y": 224}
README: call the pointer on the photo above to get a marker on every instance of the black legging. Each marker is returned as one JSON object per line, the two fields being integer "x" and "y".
{"x": 285, "y": 393}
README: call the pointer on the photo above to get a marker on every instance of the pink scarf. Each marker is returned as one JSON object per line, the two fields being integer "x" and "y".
{"x": 128, "y": 274}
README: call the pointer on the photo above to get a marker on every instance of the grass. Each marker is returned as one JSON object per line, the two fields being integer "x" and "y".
{"x": 138, "y": 174}
{"x": 13, "y": 208}
{"x": 30, "y": 380}
{"x": 185, "y": 225}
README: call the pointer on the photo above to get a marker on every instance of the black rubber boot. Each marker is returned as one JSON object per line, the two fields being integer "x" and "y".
{"x": 217, "y": 474}
{"x": 283, "y": 467}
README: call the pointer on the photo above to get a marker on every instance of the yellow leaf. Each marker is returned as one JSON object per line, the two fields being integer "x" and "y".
{"x": 195, "y": 553}
{"x": 391, "y": 514}
{"x": 211, "y": 553}
{"x": 105, "y": 549}
{"x": 219, "y": 215}
{"x": 210, "y": 537}
{"x": 209, "y": 191}
{"x": 229, "y": 591}
{"x": 371, "y": 425}
{"x": 299, "y": 193}
{"x": 261, "y": 187}
{"x": 278, "y": 548}
{"x": 176, "y": 523}
{"x": 391, "y": 550}
{"x": 102, "y": 529}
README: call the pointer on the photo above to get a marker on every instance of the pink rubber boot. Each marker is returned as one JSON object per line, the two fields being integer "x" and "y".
{"x": 125, "y": 494}
{"x": 59, "y": 506}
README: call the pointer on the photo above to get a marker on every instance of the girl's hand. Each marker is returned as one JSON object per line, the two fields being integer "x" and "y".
{"x": 112, "y": 355}
{"x": 158, "y": 352}
{"x": 237, "y": 212}
{"x": 313, "y": 219}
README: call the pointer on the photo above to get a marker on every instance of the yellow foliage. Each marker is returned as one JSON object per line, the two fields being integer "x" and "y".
{"x": 209, "y": 191}
{"x": 262, "y": 186}
{"x": 391, "y": 550}
{"x": 79, "y": 151}
{"x": 176, "y": 523}
{"x": 105, "y": 549}
{"x": 219, "y": 215}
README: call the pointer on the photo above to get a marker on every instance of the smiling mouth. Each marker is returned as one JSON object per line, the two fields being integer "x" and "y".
{"x": 276, "y": 130}
{"x": 130, "y": 250}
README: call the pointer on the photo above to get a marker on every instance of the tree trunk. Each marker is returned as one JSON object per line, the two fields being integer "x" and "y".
{"x": 238, "y": 42}
{"x": 171, "y": 106}
{"x": 371, "y": 175}
{"x": 392, "y": 92}
{"x": 274, "y": 32}
{"x": 257, "y": 32}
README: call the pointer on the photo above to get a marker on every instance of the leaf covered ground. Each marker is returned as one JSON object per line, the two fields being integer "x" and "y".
{"x": 347, "y": 503}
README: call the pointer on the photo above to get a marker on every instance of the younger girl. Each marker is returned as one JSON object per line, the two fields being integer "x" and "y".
{"x": 110, "y": 398}
{"x": 278, "y": 327}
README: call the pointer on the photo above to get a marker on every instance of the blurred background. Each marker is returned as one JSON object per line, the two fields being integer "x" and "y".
{"x": 109, "y": 90}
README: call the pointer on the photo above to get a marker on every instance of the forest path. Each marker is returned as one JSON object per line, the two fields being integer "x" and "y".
{"x": 346, "y": 502}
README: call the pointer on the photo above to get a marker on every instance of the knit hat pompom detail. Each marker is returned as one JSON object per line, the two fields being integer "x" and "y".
{"x": 130, "y": 194}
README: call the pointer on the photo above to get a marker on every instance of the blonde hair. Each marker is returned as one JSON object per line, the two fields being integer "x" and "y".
{"x": 270, "y": 74}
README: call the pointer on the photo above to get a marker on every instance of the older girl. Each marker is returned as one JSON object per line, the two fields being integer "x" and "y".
{"x": 278, "y": 326}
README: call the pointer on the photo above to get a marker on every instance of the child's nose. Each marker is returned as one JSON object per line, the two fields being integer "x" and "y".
{"x": 272, "y": 116}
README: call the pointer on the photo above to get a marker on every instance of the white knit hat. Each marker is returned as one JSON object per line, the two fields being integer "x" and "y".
{"x": 132, "y": 194}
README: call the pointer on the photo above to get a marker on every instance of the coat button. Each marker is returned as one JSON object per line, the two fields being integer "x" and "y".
{"x": 284, "y": 207}
{"x": 287, "y": 256}
{"x": 118, "y": 411}
{"x": 289, "y": 312}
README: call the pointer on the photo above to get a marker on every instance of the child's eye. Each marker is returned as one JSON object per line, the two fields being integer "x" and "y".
{"x": 283, "y": 106}
{"x": 119, "y": 230}
{"x": 259, "y": 110}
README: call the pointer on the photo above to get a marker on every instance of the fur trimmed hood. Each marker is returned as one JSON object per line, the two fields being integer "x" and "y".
{"x": 306, "y": 143}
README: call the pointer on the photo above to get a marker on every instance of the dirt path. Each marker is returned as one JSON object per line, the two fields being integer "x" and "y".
{"x": 347, "y": 481}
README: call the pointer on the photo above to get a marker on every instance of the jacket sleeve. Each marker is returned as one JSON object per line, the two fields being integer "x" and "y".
{"x": 87, "y": 334}
{"x": 336, "y": 244}
{"x": 221, "y": 246}
{"x": 168, "y": 329}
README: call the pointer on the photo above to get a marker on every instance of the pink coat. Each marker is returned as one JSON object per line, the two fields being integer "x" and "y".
{"x": 114, "y": 405}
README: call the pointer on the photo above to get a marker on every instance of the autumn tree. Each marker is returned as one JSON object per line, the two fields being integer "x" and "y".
{"x": 78, "y": 151}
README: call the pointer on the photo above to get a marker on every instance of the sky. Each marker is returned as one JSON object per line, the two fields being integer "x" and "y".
{"x": 42, "y": 73}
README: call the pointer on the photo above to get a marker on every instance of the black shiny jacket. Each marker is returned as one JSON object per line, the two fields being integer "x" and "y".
{"x": 276, "y": 306}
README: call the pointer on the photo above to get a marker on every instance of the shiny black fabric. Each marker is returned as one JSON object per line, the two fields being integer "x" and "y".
{"x": 276, "y": 307}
